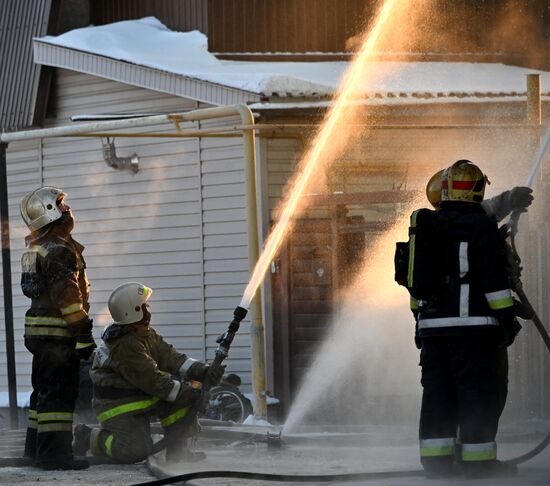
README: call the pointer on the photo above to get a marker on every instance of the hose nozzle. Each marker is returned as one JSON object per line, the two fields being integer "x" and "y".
{"x": 239, "y": 313}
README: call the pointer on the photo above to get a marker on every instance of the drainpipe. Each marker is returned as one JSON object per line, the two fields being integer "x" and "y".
{"x": 534, "y": 108}
{"x": 6, "y": 275}
{"x": 247, "y": 118}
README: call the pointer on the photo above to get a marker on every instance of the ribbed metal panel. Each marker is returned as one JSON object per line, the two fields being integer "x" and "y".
{"x": 141, "y": 76}
{"x": 19, "y": 76}
{"x": 284, "y": 25}
{"x": 182, "y": 15}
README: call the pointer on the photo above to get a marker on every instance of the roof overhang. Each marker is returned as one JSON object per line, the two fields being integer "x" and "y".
{"x": 141, "y": 76}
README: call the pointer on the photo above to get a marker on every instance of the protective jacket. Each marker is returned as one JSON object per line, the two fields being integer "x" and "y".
{"x": 498, "y": 207}
{"x": 133, "y": 377}
{"x": 54, "y": 278}
{"x": 477, "y": 291}
{"x": 133, "y": 370}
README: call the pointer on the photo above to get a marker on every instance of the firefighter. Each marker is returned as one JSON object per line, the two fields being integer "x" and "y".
{"x": 517, "y": 199}
{"x": 462, "y": 331}
{"x": 58, "y": 330}
{"x": 137, "y": 376}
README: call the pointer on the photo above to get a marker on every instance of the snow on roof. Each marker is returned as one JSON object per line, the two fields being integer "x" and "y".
{"x": 147, "y": 42}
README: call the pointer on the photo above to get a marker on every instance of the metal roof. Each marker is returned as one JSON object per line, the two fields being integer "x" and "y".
{"x": 19, "y": 76}
{"x": 142, "y": 76}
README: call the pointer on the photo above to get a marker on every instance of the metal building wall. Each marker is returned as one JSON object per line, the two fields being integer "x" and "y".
{"x": 283, "y": 25}
{"x": 182, "y": 15}
{"x": 178, "y": 225}
{"x": 19, "y": 76}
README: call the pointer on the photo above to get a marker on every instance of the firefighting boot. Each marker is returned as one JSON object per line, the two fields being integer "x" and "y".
{"x": 179, "y": 451}
{"x": 30, "y": 443}
{"x": 489, "y": 469}
{"x": 439, "y": 467}
{"x": 68, "y": 464}
{"x": 81, "y": 444}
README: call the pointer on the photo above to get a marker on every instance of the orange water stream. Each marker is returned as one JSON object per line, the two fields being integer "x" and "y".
{"x": 328, "y": 143}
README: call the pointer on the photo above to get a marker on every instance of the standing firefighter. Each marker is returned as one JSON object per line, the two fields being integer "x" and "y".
{"x": 137, "y": 376}
{"x": 464, "y": 321}
{"x": 58, "y": 331}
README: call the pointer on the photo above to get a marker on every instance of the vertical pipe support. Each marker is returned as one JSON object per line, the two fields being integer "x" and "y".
{"x": 257, "y": 330}
{"x": 257, "y": 334}
{"x": 534, "y": 100}
{"x": 8, "y": 300}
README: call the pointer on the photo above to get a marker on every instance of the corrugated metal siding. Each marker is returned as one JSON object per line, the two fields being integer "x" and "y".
{"x": 152, "y": 226}
{"x": 226, "y": 267}
{"x": 19, "y": 76}
{"x": 284, "y": 25}
{"x": 182, "y": 15}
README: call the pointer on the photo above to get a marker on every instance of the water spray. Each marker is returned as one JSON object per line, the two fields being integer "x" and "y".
{"x": 538, "y": 159}
{"x": 309, "y": 164}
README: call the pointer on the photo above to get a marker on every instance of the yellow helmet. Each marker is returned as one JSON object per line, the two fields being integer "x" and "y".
{"x": 433, "y": 189}
{"x": 40, "y": 207}
{"x": 463, "y": 181}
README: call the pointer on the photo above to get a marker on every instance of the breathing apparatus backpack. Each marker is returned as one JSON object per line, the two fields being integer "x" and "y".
{"x": 420, "y": 262}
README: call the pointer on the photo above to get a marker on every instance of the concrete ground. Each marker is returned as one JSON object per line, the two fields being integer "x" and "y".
{"x": 375, "y": 449}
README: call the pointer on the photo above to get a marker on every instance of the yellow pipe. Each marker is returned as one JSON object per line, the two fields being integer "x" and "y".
{"x": 534, "y": 103}
{"x": 255, "y": 311}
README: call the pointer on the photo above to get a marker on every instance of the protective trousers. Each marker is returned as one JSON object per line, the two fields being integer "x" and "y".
{"x": 55, "y": 373}
{"x": 464, "y": 394}
{"x": 126, "y": 437}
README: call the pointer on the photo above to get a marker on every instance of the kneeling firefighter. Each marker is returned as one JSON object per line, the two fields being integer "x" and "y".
{"x": 465, "y": 317}
{"x": 136, "y": 375}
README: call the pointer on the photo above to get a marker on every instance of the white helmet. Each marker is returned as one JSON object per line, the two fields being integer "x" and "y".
{"x": 39, "y": 207}
{"x": 126, "y": 300}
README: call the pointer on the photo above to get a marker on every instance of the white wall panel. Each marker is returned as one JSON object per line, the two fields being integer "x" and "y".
{"x": 178, "y": 225}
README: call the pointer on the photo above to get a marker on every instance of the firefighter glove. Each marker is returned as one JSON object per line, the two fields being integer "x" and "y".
{"x": 188, "y": 396}
{"x": 520, "y": 198}
{"x": 523, "y": 311}
{"x": 215, "y": 373}
{"x": 196, "y": 372}
{"x": 85, "y": 348}
{"x": 508, "y": 330}
{"x": 82, "y": 332}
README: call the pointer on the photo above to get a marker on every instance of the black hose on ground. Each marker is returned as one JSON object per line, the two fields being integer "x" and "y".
{"x": 315, "y": 478}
